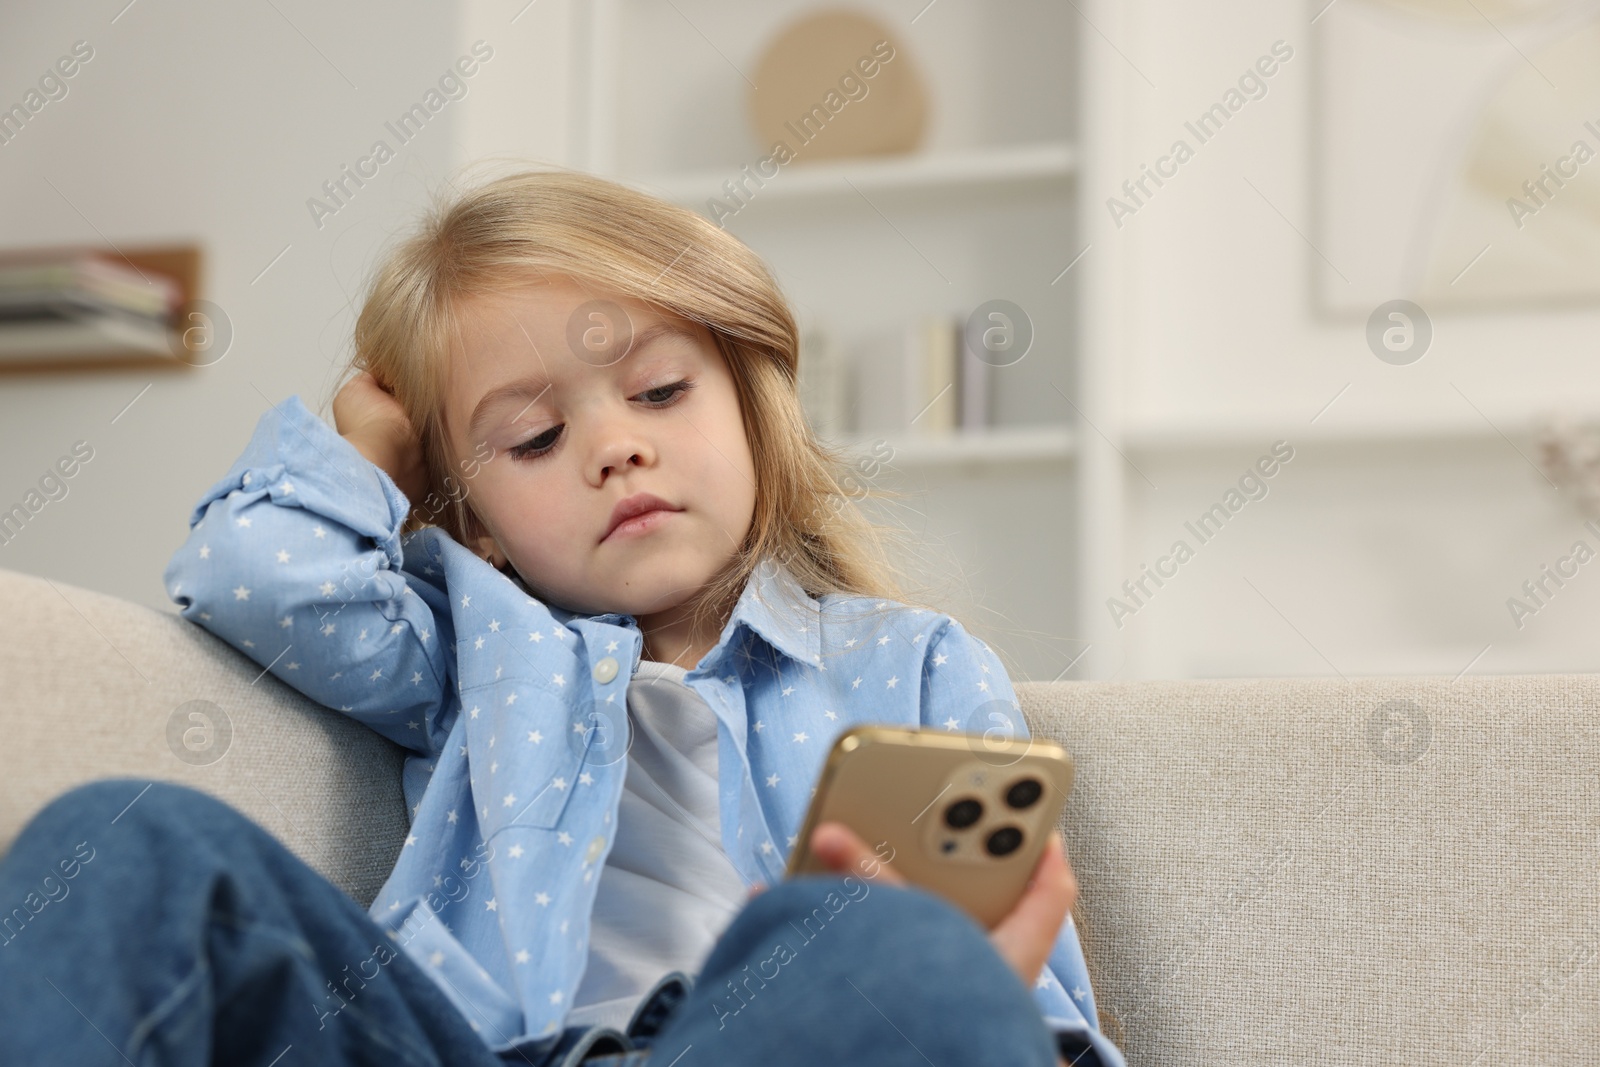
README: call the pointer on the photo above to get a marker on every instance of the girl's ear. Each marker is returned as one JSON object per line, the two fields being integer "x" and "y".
{"x": 480, "y": 541}
{"x": 494, "y": 557}
{"x": 485, "y": 548}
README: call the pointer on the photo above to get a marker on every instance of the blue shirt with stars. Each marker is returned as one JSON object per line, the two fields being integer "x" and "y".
{"x": 513, "y": 713}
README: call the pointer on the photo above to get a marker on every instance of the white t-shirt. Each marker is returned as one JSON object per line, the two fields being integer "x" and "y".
{"x": 667, "y": 889}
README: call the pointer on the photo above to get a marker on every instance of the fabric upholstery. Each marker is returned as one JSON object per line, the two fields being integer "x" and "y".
{"x": 1272, "y": 871}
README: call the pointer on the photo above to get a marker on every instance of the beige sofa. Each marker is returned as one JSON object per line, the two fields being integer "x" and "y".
{"x": 1279, "y": 871}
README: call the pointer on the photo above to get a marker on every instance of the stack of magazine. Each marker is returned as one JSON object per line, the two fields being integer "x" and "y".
{"x": 82, "y": 304}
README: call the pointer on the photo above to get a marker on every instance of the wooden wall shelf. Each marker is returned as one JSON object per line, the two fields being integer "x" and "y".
{"x": 181, "y": 262}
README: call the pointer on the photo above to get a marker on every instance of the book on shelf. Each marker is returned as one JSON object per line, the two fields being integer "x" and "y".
{"x": 76, "y": 303}
{"x": 824, "y": 382}
{"x": 933, "y": 384}
{"x": 922, "y": 380}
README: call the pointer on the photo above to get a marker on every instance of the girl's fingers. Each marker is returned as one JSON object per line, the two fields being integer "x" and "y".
{"x": 842, "y": 850}
{"x": 1026, "y": 936}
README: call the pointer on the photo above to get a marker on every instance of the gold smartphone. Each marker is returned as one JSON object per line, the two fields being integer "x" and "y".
{"x": 959, "y": 814}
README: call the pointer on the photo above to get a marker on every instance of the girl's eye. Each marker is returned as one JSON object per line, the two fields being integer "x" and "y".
{"x": 541, "y": 445}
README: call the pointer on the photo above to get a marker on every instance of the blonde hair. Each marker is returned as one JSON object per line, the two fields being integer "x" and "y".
{"x": 507, "y": 232}
{"x": 502, "y": 234}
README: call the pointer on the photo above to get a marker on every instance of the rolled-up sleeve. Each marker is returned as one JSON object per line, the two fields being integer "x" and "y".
{"x": 295, "y": 558}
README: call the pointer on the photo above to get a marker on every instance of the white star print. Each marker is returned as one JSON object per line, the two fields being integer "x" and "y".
{"x": 753, "y": 675}
{"x": 437, "y": 958}
{"x": 1078, "y": 992}
{"x": 319, "y": 531}
{"x": 243, "y": 520}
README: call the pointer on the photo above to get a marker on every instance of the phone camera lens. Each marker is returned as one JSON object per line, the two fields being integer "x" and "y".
{"x": 1024, "y": 793}
{"x": 1004, "y": 841}
{"x": 963, "y": 813}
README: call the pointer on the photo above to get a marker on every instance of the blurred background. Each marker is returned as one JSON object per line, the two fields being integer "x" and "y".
{"x": 1199, "y": 342}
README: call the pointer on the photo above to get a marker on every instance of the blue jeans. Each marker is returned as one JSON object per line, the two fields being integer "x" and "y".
{"x": 150, "y": 923}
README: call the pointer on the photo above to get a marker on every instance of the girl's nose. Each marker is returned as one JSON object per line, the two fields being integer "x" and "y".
{"x": 618, "y": 443}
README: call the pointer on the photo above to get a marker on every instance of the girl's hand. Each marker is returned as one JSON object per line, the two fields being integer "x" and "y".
{"x": 372, "y": 420}
{"x": 1024, "y": 938}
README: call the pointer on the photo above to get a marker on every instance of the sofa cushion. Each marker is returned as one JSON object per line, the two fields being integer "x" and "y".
{"x": 1315, "y": 870}
{"x": 94, "y": 687}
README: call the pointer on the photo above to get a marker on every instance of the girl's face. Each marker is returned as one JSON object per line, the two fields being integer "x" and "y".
{"x": 579, "y": 421}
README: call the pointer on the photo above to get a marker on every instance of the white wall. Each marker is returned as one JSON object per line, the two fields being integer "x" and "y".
{"x": 217, "y": 123}
{"x": 1395, "y": 555}
{"x": 1368, "y": 557}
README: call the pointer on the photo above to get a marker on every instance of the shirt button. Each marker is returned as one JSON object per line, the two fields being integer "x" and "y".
{"x": 597, "y": 846}
{"x": 605, "y": 670}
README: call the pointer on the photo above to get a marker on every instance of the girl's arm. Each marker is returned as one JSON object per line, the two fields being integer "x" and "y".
{"x": 295, "y": 559}
{"x": 965, "y": 688}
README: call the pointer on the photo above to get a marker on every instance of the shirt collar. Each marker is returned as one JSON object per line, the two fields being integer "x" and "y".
{"x": 776, "y": 606}
{"x": 773, "y": 604}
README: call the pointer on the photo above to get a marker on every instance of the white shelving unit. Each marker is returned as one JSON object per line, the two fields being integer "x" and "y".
{"x": 985, "y": 209}
{"x": 1037, "y": 108}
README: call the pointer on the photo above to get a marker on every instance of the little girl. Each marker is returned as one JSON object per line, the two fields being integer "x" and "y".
{"x": 575, "y": 548}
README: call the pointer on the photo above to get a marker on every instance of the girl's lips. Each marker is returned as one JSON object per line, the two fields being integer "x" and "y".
{"x": 640, "y": 525}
